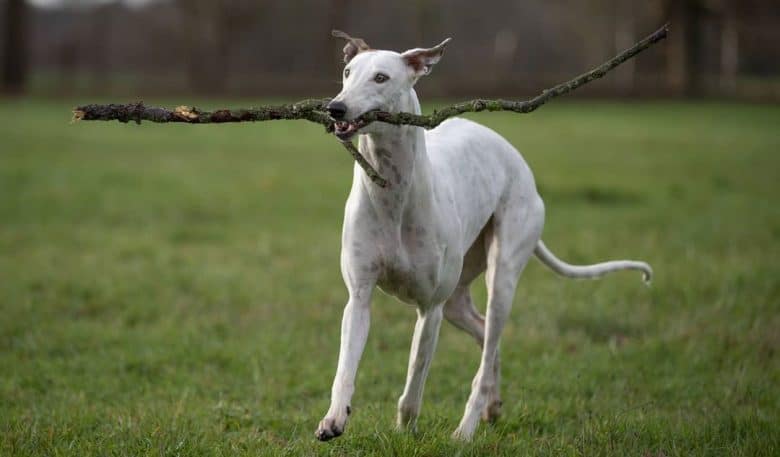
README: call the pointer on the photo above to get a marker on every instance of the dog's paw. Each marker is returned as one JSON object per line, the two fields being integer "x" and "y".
{"x": 492, "y": 412}
{"x": 331, "y": 427}
{"x": 461, "y": 435}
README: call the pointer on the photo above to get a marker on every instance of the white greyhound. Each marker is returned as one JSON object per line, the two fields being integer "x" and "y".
{"x": 460, "y": 200}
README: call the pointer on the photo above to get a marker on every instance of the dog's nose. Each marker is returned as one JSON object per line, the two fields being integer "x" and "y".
{"x": 337, "y": 110}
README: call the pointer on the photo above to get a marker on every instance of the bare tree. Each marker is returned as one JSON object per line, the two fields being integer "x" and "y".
{"x": 729, "y": 48}
{"x": 624, "y": 24}
{"x": 683, "y": 59}
{"x": 14, "y": 74}
{"x": 210, "y": 31}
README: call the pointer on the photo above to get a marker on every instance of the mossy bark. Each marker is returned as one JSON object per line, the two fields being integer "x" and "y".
{"x": 314, "y": 110}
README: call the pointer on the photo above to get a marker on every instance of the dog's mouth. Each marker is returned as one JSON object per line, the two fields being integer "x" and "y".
{"x": 345, "y": 130}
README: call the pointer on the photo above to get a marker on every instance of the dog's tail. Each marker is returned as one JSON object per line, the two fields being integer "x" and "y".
{"x": 589, "y": 271}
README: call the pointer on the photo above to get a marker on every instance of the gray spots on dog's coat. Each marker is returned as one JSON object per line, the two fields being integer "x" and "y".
{"x": 447, "y": 185}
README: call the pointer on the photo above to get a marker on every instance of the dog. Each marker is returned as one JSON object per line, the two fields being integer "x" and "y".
{"x": 460, "y": 201}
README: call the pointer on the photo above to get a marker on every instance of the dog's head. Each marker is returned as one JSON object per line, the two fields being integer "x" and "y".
{"x": 375, "y": 80}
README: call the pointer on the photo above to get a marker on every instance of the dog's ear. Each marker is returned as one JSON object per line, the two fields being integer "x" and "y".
{"x": 353, "y": 47}
{"x": 422, "y": 60}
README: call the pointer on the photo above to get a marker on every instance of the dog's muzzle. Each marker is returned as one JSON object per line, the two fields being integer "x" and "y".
{"x": 345, "y": 130}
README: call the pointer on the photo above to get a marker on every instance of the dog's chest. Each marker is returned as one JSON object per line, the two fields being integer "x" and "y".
{"x": 408, "y": 284}
{"x": 416, "y": 266}
{"x": 409, "y": 275}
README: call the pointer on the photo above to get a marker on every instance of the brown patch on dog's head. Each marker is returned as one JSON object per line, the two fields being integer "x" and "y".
{"x": 353, "y": 47}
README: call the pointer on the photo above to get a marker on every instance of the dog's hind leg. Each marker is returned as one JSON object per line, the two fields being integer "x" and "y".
{"x": 461, "y": 312}
{"x": 516, "y": 228}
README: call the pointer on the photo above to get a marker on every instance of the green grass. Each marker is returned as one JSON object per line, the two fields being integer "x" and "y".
{"x": 174, "y": 290}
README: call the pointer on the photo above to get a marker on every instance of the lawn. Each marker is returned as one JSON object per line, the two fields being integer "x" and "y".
{"x": 175, "y": 290}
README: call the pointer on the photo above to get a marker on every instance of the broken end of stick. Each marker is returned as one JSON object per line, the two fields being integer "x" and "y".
{"x": 661, "y": 33}
{"x": 187, "y": 113}
{"x": 665, "y": 28}
{"x": 78, "y": 114}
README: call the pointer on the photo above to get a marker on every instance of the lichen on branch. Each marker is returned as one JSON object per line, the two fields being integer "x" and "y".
{"x": 313, "y": 110}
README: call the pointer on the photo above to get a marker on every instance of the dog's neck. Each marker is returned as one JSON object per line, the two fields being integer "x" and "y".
{"x": 399, "y": 155}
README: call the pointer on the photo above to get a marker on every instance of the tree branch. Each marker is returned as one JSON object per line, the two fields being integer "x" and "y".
{"x": 378, "y": 180}
{"x": 526, "y": 106}
{"x": 314, "y": 109}
{"x": 310, "y": 110}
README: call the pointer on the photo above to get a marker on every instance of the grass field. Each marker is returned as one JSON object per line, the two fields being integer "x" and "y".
{"x": 175, "y": 290}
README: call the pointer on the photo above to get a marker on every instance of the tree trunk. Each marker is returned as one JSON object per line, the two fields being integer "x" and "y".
{"x": 14, "y": 74}
{"x": 206, "y": 59}
{"x": 729, "y": 50}
{"x": 683, "y": 72}
{"x": 624, "y": 25}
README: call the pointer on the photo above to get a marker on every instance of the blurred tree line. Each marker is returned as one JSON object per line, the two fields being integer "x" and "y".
{"x": 500, "y": 48}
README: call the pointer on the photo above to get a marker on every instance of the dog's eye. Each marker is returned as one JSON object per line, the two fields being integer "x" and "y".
{"x": 380, "y": 78}
{"x": 346, "y": 72}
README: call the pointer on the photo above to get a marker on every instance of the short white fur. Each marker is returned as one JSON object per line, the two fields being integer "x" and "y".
{"x": 461, "y": 200}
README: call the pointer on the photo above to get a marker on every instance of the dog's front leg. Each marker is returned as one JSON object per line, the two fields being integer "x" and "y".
{"x": 426, "y": 333}
{"x": 354, "y": 331}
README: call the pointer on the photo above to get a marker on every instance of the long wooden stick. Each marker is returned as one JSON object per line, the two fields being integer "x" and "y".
{"x": 314, "y": 109}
